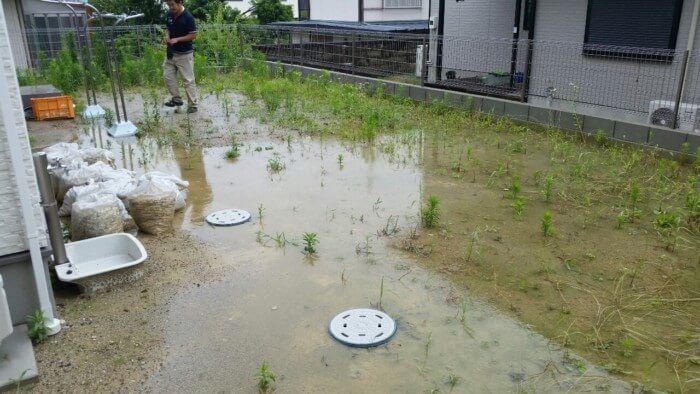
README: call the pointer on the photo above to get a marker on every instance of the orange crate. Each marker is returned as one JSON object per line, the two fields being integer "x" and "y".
{"x": 59, "y": 107}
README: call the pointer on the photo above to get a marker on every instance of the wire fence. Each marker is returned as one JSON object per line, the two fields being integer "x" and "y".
{"x": 617, "y": 82}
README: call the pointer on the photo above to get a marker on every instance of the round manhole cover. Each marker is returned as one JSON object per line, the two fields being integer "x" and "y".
{"x": 362, "y": 327}
{"x": 228, "y": 217}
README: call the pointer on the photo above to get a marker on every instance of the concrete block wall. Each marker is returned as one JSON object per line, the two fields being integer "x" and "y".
{"x": 636, "y": 133}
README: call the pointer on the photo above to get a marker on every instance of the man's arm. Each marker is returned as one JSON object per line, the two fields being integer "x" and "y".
{"x": 189, "y": 37}
{"x": 166, "y": 39}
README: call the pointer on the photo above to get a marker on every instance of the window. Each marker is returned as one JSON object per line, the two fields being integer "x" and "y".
{"x": 403, "y": 3}
{"x": 631, "y": 28}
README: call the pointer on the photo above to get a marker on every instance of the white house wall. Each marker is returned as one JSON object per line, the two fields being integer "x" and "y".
{"x": 15, "y": 23}
{"x": 334, "y": 10}
{"x": 39, "y": 7}
{"x": 12, "y": 236}
{"x": 375, "y": 12}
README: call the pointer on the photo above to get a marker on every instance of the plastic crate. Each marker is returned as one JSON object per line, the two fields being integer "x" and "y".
{"x": 59, "y": 107}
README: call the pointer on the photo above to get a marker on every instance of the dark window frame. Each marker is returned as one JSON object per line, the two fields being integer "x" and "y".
{"x": 635, "y": 53}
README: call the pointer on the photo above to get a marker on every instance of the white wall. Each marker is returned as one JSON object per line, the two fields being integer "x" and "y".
{"x": 334, "y": 10}
{"x": 375, "y": 11}
{"x": 12, "y": 236}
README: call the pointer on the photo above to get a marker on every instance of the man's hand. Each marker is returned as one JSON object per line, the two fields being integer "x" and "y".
{"x": 172, "y": 41}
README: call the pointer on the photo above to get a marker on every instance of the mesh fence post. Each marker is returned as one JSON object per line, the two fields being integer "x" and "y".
{"x": 354, "y": 45}
{"x": 679, "y": 90}
{"x": 528, "y": 69}
{"x": 424, "y": 61}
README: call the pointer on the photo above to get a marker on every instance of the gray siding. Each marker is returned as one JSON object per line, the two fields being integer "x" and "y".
{"x": 558, "y": 62}
{"x": 12, "y": 235}
{"x": 15, "y": 25}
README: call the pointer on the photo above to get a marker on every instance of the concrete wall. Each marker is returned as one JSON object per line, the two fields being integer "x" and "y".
{"x": 20, "y": 286}
{"x": 12, "y": 235}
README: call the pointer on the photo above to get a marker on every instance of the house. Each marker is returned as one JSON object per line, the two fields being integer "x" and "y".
{"x": 614, "y": 57}
{"x": 245, "y": 5}
{"x": 364, "y": 10}
{"x": 38, "y": 16}
{"x": 23, "y": 241}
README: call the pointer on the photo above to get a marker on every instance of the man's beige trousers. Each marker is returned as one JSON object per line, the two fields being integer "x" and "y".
{"x": 182, "y": 63}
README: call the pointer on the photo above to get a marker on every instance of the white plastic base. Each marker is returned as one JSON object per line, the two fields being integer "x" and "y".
{"x": 93, "y": 111}
{"x": 54, "y": 326}
{"x": 123, "y": 129}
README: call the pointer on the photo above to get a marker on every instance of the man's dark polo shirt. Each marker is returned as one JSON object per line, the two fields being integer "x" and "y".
{"x": 181, "y": 26}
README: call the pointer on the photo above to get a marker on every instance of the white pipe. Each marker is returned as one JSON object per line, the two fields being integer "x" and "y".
{"x": 22, "y": 183}
{"x": 694, "y": 26}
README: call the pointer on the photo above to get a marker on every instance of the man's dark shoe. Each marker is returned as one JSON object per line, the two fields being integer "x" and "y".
{"x": 174, "y": 103}
{"x": 191, "y": 109}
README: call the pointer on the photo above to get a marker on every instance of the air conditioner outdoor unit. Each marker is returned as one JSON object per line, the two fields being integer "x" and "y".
{"x": 661, "y": 114}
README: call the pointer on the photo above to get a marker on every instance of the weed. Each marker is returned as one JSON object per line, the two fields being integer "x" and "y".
{"x": 452, "y": 380}
{"x": 265, "y": 377}
{"x": 514, "y": 187}
{"x": 518, "y": 207}
{"x": 428, "y": 342}
{"x": 627, "y": 345}
{"x": 430, "y": 215}
{"x": 310, "y": 242}
{"x": 692, "y": 204}
{"x": 685, "y": 153}
{"x": 261, "y": 209}
{"x": 18, "y": 382}
{"x": 344, "y": 277}
{"x": 622, "y": 217}
{"x": 546, "y": 224}
{"x": 547, "y": 188}
{"x": 473, "y": 239}
{"x": 36, "y": 327}
{"x": 634, "y": 192}
{"x": 600, "y": 137}
{"x": 109, "y": 117}
{"x": 274, "y": 164}
{"x": 381, "y": 292}
{"x": 340, "y": 160}
{"x": 667, "y": 226}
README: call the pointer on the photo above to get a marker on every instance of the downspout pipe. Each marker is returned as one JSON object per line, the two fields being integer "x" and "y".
{"x": 22, "y": 182}
{"x": 689, "y": 49}
{"x": 48, "y": 202}
{"x": 693, "y": 26}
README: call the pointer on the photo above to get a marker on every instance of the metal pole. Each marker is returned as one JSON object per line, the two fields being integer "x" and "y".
{"x": 679, "y": 90}
{"x": 354, "y": 46}
{"x": 424, "y": 62}
{"x": 528, "y": 69}
{"x": 48, "y": 202}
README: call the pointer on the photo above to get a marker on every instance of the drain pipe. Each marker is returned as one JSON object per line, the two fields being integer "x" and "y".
{"x": 22, "y": 181}
{"x": 48, "y": 202}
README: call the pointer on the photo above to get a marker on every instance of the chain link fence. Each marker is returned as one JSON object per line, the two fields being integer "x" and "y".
{"x": 615, "y": 82}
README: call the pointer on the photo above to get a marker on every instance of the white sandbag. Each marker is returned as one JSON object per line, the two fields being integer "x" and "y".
{"x": 63, "y": 153}
{"x": 81, "y": 175}
{"x": 180, "y": 199}
{"x": 95, "y": 215}
{"x": 73, "y": 195}
{"x": 94, "y": 155}
{"x": 172, "y": 178}
{"x": 152, "y": 205}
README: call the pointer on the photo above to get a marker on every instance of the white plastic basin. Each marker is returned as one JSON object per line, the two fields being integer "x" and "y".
{"x": 95, "y": 256}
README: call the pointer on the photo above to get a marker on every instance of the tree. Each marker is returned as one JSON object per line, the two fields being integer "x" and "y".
{"x": 271, "y": 11}
{"x": 153, "y": 10}
{"x": 204, "y": 10}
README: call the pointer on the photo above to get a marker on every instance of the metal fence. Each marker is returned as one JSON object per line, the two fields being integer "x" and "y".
{"x": 614, "y": 82}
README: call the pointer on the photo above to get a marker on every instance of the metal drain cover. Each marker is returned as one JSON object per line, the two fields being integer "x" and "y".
{"x": 362, "y": 327}
{"x": 228, "y": 217}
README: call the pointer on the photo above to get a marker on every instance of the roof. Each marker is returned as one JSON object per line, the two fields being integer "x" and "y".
{"x": 414, "y": 26}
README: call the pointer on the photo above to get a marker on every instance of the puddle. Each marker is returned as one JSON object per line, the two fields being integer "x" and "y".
{"x": 274, "y": 303}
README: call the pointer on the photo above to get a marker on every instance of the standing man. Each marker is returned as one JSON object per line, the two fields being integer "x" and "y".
{"x": 181, "y": 31}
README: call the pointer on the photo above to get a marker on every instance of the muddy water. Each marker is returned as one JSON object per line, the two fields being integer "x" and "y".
{"x": 275, "y": 303}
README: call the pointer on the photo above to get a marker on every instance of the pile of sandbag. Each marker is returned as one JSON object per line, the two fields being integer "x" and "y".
{"x": 101, "y": 199}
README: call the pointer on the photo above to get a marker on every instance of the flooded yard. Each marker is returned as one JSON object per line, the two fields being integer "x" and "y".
{"x": 489, "y": 297}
